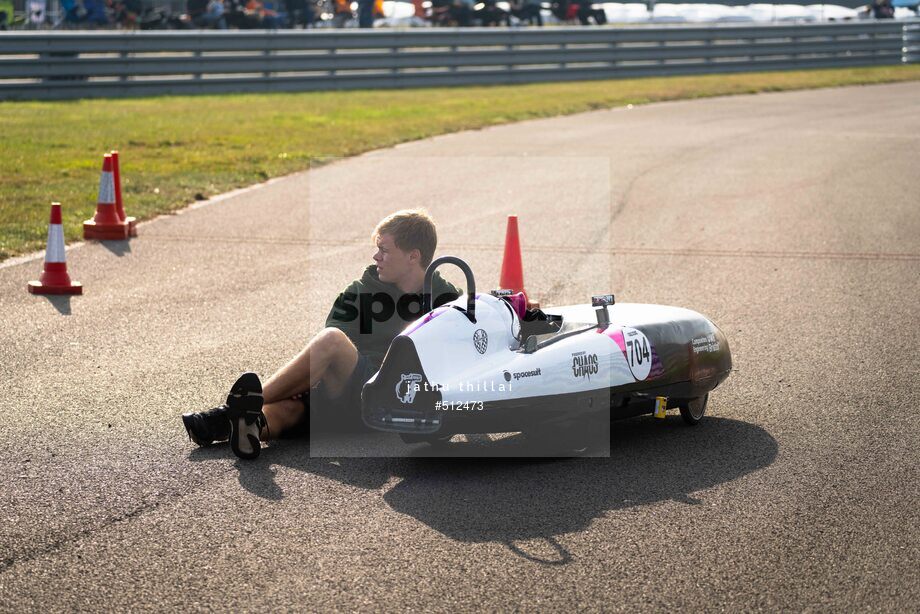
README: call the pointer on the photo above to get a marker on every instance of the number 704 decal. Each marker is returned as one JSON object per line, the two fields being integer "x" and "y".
{"x": 638, "y": 353}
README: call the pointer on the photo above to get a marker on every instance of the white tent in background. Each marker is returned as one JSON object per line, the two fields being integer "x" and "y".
{"x": 832, "y": 12}
{"x": 400, "y": 13}
{"x": 618, "y": 12}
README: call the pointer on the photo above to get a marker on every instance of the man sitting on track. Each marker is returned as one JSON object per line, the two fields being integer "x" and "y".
{"x": 337, "y": 362}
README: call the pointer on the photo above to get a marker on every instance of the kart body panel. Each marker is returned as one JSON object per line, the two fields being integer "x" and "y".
{"x": 504, "y": 371}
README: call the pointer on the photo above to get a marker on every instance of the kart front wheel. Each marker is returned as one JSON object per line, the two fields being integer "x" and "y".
{"x": 692, "y": 411}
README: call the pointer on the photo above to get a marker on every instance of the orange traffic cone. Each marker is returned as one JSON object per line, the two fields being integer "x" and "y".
{"x": 119, "y": 203}
{"x": 54, "y": 279}
{"x": 106, "y": 225}
{"x": 512, "y": 277}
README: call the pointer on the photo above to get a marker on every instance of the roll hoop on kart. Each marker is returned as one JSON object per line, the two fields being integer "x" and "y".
{"x": 485, "y": 363}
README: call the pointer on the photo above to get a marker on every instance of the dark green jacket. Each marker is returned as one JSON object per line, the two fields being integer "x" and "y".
{"x": 372, "y": 312}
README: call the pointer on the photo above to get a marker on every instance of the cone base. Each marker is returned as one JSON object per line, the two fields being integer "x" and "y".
{"x": 132, "y": 226}
{"x": 36, "y": 287}
{"x": 105, "y": 232}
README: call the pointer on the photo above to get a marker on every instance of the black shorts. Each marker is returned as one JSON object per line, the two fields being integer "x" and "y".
{"x": 350, "y": 399}
{"x": 343, "y": 410}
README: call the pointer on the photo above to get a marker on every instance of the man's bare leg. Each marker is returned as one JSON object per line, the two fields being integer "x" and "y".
{"x": 280, "y": 416}
{"x": 329, "y": 357}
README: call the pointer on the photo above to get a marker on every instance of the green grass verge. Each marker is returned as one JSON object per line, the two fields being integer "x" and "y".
{"x": 174, "y": 148}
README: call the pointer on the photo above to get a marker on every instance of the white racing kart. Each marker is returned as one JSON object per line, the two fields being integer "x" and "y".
{"x": 484, "y": 363}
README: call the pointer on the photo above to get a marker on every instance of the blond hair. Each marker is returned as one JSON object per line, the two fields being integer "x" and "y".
{"x": 410, "y": 229}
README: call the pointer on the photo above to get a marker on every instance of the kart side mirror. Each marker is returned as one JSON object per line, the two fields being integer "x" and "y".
{"x": 602, "y": 301}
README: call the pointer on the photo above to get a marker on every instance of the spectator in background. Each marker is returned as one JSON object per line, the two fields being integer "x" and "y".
{"x": 195, "y": 9}
{"x": 461, "y": 13}
{"x": 563, "y": 10}
{"x": 440, "y": 12}
{"x": 365, "y": 13}
{"x": 125, "y": 12}
{"x": 528, "y": 11}
{"x": 133, "y": 10}
{"x": 74, "y": 11}
{"x": 587, "y": 11}
{"x": 213, "y": 16}
{"x": 235, "y": 14}
{"x": 449, "y": 13}
{"x": 96, "y": 15}
{"x": 418, "y": 15}
{"x": 239, "y": 15}
{"x": 567, "y": 10}
{"x": 881, "y": 9}
{"x": 341, "y": 13}
{"x": 8, "y": 13}
{"x": 251, "y": 14}
{"x": 300, "y": 13}
{"x": 157, "y": 19}
{"x": 490, "y": 14}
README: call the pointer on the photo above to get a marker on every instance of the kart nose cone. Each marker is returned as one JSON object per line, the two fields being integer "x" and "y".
{"x": 400, "y": 398}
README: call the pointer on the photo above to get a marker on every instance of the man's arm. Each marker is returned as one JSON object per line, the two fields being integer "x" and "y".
{"x": 344, "y": 313}
{"x": 443, "y": 291}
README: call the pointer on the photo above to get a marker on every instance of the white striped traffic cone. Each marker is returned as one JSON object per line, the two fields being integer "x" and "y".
{"x": 54, "y": 279}
{"x": 106, "y": 225}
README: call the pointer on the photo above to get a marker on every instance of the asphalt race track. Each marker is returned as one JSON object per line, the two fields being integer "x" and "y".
{"x": 791, "y": 220}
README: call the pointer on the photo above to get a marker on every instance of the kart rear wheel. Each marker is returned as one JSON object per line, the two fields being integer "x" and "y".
{"x": 692, "y": 411}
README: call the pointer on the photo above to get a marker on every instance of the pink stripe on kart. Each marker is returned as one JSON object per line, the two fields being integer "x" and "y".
{"x": 420, "y": 323}
{"x": 616, "y": 335}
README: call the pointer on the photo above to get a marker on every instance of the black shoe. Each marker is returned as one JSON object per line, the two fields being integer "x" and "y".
{"x": 206, "y": 427}
{"x": 244, "y": 408}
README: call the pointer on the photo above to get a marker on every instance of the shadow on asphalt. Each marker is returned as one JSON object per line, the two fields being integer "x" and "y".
{"x": 526, "y": 503}
{"x": 119, "y": 248}
{"x": 61, "y": 303}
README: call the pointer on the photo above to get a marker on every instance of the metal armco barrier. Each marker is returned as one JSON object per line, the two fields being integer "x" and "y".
{"x": 912, "y": 43}
{"x": 60, "y": 65}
